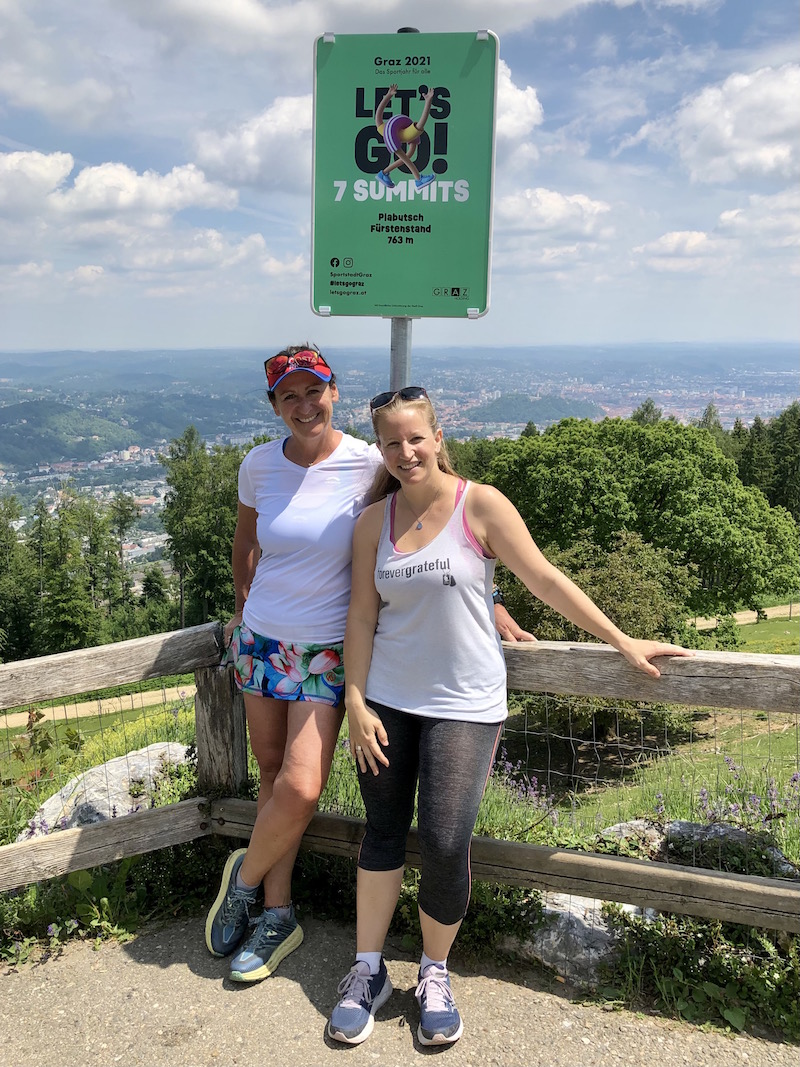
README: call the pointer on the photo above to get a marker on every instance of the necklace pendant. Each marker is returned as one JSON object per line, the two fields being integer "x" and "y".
{"x": 419, "y": 525}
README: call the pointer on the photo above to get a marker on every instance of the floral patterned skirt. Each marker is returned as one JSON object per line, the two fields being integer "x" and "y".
{"x": 286, "y": 671}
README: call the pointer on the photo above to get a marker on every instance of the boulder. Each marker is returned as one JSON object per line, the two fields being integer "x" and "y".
{"x": 119, "y": 787}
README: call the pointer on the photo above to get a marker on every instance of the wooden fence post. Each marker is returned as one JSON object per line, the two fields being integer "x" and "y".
{"x": 221, "y": 733}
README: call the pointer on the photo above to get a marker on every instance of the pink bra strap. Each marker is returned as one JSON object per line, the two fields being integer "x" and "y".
{"x": 392, "y": 507}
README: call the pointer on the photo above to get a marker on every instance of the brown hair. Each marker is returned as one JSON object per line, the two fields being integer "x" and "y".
{"x": 292, "y": 350}
{"x": 384, "y": 482}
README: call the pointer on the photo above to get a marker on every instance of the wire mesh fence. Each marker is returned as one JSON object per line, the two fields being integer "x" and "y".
{"x": 697, "y": 786}
{"x": 123, "y": 737}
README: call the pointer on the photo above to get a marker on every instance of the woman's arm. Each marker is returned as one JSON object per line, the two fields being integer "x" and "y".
{"x": 244, "y": 560}
{"x": 367, "y": 735}
{"x": 499, "y": 527}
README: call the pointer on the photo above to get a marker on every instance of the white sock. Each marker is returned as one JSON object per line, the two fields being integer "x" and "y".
{"x": 372, "y": 960}
{"x": 426, "y": 961}
{"x": 241, "y": 884}
{"x": 282, "y": 911}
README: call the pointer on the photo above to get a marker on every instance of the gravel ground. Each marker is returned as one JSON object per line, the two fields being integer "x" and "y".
{"x": 163, "y": 1001}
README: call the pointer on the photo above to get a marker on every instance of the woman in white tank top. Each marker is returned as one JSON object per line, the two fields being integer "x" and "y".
{"x": 425, "y": 691}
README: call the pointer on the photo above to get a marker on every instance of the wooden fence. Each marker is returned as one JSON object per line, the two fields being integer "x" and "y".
{"x": 712, "y": 679}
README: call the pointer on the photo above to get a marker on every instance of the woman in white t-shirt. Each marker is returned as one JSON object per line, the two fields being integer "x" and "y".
{"x": 299, "y": 499}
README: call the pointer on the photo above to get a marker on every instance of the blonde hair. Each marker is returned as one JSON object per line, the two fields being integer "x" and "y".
{"x": 384, "y": 482}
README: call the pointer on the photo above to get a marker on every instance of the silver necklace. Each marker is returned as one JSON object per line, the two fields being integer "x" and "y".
{"x": 420, "y": 518}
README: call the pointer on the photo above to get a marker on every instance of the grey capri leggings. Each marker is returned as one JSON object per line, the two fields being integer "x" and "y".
{"x": 451, "y": 760}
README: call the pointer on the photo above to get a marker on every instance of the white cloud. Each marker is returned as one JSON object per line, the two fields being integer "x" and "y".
{"x": 273, "y": 148}
{"x": 772, "y": 221}
{"x": 116, "y": 191}
{"x": 518, "y": 110}
{"x": 534, "y": 210}
{"x": 26, "y": 178}
{"x": 85, "y": 277}
{"x": 47, "y": 69}
{"x": 685, "y": 251}
{"x": 749, "y": 125}
{"x": 243, "y": 26}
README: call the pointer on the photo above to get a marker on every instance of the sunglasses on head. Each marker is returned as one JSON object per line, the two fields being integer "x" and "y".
{"x": 410, "y": 392}
{"x": 277, "y": 366}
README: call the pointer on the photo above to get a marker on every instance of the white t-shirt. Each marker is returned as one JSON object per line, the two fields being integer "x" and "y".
{"x": 306, "y": 515}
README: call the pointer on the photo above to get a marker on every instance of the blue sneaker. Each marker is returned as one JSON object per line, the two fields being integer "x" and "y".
{"x": 424, "y": 179}
{"x": 439, "y": 1021}
{"x": 385, "y": 179}
{"x": 229, "y": 917}
{"x": 362, "y": 994}
{"x": 272, "y": 939}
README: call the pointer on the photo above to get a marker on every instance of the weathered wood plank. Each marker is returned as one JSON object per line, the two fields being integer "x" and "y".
{"x": 221, "y": 732}
{"x": 89, "y": 846}
{"x": 708, "y": 679}
{"x": 772, "y": 903}
{"x": 711, "y": 679}
{"x": 67, "y": 673}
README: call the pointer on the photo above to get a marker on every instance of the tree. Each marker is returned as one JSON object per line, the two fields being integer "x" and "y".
{"x": 647, "y": 413}
{"x": 668, "y": 483}
{"x": 530, "y": 430}
{"x": 184, "y": 462}
{"x": 710, "y": 421}
{"x": 473, "y": 458}
{"x": 17, "y": 585}
{"x": 756, "y": 463}
{"x": 645, "y": 590}
{"x": 200, "y": 518}
{"x": 784, "y": 437}
{"x": 70, "y": 618}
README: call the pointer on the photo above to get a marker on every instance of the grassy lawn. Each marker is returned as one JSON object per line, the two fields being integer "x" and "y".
{"x": 775, "y": 635}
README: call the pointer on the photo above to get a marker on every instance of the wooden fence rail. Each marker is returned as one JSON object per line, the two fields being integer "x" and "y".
{"x": 709, "y": 679}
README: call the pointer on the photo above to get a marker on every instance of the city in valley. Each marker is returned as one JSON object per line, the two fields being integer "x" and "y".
{"x": 101, "y": 419}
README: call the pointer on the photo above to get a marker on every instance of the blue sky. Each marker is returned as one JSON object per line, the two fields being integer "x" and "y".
{"x": 155, "y": 163}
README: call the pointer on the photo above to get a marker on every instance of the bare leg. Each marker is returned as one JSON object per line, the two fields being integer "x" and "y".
{"x": 266, "y": 725}
{"x": 437, "y": 939}
{"x": 290, "y": 799}
{"x": 377, "y": 893}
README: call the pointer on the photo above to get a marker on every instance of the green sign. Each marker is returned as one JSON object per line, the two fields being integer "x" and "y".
{"x": 403, "y": 167}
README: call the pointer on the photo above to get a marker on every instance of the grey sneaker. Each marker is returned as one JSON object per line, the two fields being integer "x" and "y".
{"x": 229, "y": 916}
{"x": 352, "y": 1020}
{"x": 271, "y": 940}
{"x": 439, "y": 1021}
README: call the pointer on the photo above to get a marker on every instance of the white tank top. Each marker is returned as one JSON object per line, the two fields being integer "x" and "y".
{"x": 436, "y": 651}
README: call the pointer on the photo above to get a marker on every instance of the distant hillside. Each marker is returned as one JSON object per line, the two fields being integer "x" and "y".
{"x": 518, "y": 408}
{"x": 46, "y": 431}
{"x": 43, "y": 431}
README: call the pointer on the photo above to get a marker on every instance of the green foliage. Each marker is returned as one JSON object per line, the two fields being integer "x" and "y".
{"x": 50, "y": 430}
{"x": 200, "y": 518}
{"x": 647, "y": 413}
{"x": 668, "y": 483}
{"x": 643, "y": 589}
{"x": 109, "y": 902}
{"x": 729, "y": 975}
